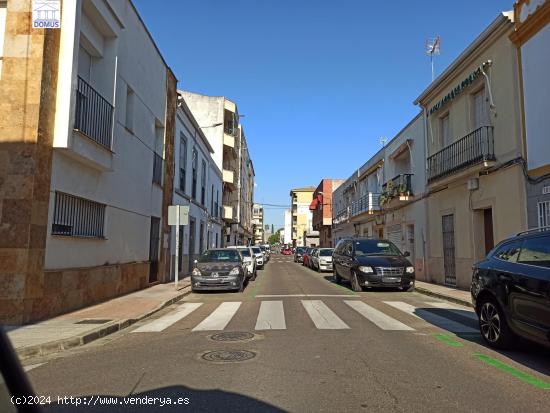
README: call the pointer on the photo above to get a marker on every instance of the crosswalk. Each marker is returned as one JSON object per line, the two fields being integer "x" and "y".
{"x": 271, "y": 315}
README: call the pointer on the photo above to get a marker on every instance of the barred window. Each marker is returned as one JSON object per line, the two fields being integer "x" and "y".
{"x": 544, "y": 214}
{"x": 157, "y": 169}
{"x": 77, "y": 217}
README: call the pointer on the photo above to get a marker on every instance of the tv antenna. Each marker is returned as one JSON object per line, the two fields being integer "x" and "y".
{"x": 383, "y": 141}
{"x": 433, "y": 48}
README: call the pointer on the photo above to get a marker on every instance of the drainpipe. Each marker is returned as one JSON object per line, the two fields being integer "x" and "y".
{"x": 427, "y": 274}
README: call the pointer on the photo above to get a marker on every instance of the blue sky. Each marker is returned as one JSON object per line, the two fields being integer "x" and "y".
{"x": 319, "y": 82}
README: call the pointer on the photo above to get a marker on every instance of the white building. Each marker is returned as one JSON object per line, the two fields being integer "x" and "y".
{"x": 287, "y": 232}
{"x": 197, "y": 184}
{"x": 258, "y": 224}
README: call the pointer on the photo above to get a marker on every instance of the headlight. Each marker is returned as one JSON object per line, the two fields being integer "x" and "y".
{"x": 196, "y": 271}
{"x": 234, "y": 271}
{"x": 410, "y": 270}
{"x": 366, "y": 269}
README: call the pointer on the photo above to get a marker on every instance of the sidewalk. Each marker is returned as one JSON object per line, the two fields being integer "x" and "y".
{"x": 88, "y": 324}
{"x": 446, "y": 293}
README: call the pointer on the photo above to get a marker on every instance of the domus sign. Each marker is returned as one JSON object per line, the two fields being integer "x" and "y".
{"x": 46, "y": 14}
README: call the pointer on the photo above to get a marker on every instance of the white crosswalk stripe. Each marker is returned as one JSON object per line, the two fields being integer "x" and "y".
{"x": 271, "y": 316}
{"x": 166, "y": 321}
{"x": 382, "y": 320}
{"x": 220, "y": 317}
{"x": 426, "y": 315}
{"x": 322, "y": 316}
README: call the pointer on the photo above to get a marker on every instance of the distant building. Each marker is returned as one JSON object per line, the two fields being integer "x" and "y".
{"x": 258, "y": 224}
{"x": 301, "y": 215}
{"x": 287, "y": 231}
{"x": 321, "y": 208}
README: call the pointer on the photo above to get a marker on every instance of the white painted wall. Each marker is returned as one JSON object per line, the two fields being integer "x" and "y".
{"x": 535, "y": 55}
{"x": 128, "y": 57}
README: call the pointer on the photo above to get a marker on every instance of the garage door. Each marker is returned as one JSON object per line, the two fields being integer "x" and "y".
{"x": 395, "y": 235}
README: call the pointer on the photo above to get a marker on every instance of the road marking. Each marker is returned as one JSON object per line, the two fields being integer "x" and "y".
{"x": 436, "y": 320}
{"x": 220, "y": 317}
{"x": 455, "y": 309}
{"x": 527, "y": 378}
{"x": 304, "y": 295}
{"x": 385, "y": 322}
{"x": 322, "y": 316}
{"x": 448, "y": 339}
{"x": 166, "y": 321}
{"x": 271, "y": 316}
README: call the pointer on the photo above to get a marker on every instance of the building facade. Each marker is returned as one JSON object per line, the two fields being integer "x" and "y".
{"x": 86, "y": 149}
{"x": 198, "y": 185}
{"x": 287, "y": 231}
{"x": 219, "y": 119}
{"x": 321, "y": 208}
{"x": 301, "y": 221}
{"x": 531, "y": 36}
{"x": 474, "y": 155}
{"x": 258, "y": 224}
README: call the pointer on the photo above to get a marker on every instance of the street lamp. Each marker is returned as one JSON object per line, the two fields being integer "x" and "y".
{"x": 212, "y": 126}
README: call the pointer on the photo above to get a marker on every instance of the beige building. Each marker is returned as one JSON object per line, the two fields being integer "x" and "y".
{"x": 301, "y": 215}
{"x": 475, "y": 183}
{"x": 258, "y": 224}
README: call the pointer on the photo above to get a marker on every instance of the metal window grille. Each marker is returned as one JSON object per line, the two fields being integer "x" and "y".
{"x": 544, "y": 214}
{"x": 93, "y": 114}
{"x": 77, "y": 217}
{"x": 157, "y": 169}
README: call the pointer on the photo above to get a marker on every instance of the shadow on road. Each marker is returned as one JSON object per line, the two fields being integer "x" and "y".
{"x": 166, "y": 399}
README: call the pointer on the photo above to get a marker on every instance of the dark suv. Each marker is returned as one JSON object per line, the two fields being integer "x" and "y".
{"x": 369, "y": 263}
{"x": 511, "y": 290}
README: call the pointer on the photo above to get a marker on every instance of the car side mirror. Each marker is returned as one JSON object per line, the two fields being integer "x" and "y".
{"x": 406, "y": 254}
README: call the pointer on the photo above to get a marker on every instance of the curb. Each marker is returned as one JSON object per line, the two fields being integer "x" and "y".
{"x": 443, "y": 296}
{"x": 105, "y": 330}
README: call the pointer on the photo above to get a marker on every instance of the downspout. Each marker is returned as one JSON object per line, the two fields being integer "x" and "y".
{"x": 424, "y": 245}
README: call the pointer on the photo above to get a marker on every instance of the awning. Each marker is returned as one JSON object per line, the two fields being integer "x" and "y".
{"x": 313, "y": 205}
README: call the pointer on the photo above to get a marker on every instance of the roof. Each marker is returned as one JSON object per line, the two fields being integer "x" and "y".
{"x": 500, "y": 20}
{"x": 304, "y": 189}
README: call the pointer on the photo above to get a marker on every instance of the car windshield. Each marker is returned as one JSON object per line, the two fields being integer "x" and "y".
{"x": 375, "y": 247}
{"x": 325, "y": 253}
{"x": 220, "y": 256}
{"x": 256, "y": 250}
{"x": 300, "y": 250}
{"x": 245, "y": 252}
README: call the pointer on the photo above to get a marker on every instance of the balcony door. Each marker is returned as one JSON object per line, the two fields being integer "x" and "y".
{"x": 479, "y": 109}
{"x": 445, "y": 130}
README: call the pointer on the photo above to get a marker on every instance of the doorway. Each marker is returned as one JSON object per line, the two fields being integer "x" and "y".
{"x": 448, "y": 225}
{"x": 488, "y": 229}
{"x": 154, "y": 243}
{"x": 192, "y": 225}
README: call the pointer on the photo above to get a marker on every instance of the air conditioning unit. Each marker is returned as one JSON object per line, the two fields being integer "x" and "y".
{"x": 227, "y": 231}
{"x": 473, "y": 184}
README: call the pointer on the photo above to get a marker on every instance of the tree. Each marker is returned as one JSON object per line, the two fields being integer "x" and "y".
{"x": 273, "y": 239}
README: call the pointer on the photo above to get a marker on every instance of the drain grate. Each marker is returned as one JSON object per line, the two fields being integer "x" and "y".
{"x": 93, "y": 321}
{"x": 232, "y": 336}
{"x": 225, "y": 356}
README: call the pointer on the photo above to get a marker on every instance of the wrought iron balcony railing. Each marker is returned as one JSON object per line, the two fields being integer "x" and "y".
{"x": 367, "y": 203}
{"x": 341, "y": 216}
{"x": 401, "y": 185}
{"x": 93, "y": 114}
{"x": 476, "y": 147}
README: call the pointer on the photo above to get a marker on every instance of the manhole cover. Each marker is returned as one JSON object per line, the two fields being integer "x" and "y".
{"x": 232, "y": 336}
{"x": 93, "y": 321}
{"x": 228, "y": 356}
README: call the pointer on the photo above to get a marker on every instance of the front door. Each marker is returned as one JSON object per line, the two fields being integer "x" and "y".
{"x": 488, "y": 229}
{"x": 154, "y": 243}
{"x": 192, "y": 235}
{"x": 448, "y": 225}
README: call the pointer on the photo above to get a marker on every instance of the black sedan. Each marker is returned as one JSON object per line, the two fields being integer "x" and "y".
{"x": 219, "y": 269}
{"x": 370, "y": 263}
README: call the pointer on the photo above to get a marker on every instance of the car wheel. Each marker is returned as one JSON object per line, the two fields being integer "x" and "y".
{"x": 318, "y": 269}
{"x": 355, "y": 286}
{"x": 241, "y": 287}
{"x": 337, "y": 278}
{"x": 254, "y": 274}
{"x": 493, "y": 325}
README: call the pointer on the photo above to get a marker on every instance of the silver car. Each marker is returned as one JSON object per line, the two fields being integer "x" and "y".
{"x": 219, "y": 269}
{"x": 249, "y": 259}
{"x": 321, "y": 260}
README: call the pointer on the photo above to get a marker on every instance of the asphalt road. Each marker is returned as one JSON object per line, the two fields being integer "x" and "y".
{"x": 317, "y": 347}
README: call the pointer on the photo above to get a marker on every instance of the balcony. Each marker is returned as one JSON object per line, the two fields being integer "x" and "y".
{"x": 342, "y": 216}
{"x": 475, "y": 148}
{"x": 399, "y": 188}
{"x": 229, "y": 179}
{"x": 228, "y": 213}
{"x": 367, "y": 204}
{"x": 93, "y": 114}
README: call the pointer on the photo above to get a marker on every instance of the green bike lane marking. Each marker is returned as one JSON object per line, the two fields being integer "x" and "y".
{"x": 448, "y": 339}
{"x": 527, "y": 378}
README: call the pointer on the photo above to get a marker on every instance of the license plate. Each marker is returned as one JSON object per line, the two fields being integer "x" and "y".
{"x": 391, "y": 279}
{"x": 215, "y": 275}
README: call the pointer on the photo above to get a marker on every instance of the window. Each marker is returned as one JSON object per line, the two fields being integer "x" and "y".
{"x": 445, "y": 130}
{"x": 183, "y": 162}
{"x": 212, "y": 212}
{"x": 508, "y": 252}
{"x": 130, "y": 105}
{"x": 77, "y": 217}
{"x": 216, "y": 240}
{"x": 217, "y": 209}
{"x": 157, "y": 168}
{"x": 544, "y": 214}
{"x": 203, "y": 183}
{"x": 536, "y": 251}
{"x": 201, "y": 237}
{"x": 479, "y": 109}
{"x": 84, "y": 64}
{"x": 194, "y": 166}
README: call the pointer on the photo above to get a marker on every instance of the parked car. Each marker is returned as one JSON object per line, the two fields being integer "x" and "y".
{"x": 310, "y": 254}
{"x": 267, "y": 254}
{"x": 299, "y": 254}
{"x": 260, "y": 259}
{"x": 219, "y": 269}
{"x": 511, "y": 290}
{"x": 305, "y": 256}
{"x": 321, "y": 260}
{"x": 370, "y": 263}
{"x": 287, "y": 251}
{"x": 249, "y": 258}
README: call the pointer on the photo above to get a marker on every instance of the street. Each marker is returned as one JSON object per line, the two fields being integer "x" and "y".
{"x": 311, "y": 345}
